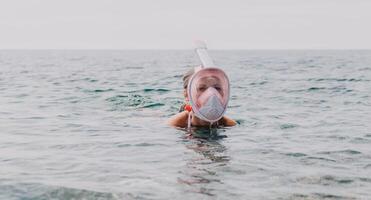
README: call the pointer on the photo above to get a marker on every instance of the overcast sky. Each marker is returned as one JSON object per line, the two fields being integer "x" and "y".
{"x": 174, "y": 24}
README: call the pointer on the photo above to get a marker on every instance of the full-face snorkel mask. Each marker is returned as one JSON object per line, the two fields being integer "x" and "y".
{"x": 208, "y": 89}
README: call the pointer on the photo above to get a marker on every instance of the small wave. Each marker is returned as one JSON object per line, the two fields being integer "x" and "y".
{"x": 320, "y": 158}
{"x": 133, "y": 67}
{"x": 296, "y": 154}
{"x": 99, "y": 90}
{"x": 338, "y": 137}
{"x": 259, "y": 83}
{"x": 152, "y": 105}
{"x": 331, "y": 196}
{"x": 90, "y": 80}
{"x": 288, "y": 126}
{"x": 36, "y": 117}
{"x": 319, "y": 196}
{"x": 133, "y": 101}
{"x": 338, "y": 79}
{"x": 360, "y": 140}
{"x": 241, "y": 121}
{"x": 143, "y": 144}
{"x": 36, "y": 191}
{"x": 315, "y": 88}
{"x": 21, "y": 95}
{"x": 155, "y": 90}
{"x": 337, "y": 89}
{"x": 127, "y": 100}
{"x": 368, "y": 180}
{"x": 325, "y": 180}
{"x": 79, "y": 58}
{"x": 347, "y": 151}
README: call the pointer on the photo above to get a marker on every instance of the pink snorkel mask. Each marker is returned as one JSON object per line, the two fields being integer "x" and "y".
{"x": 208, "y": 89}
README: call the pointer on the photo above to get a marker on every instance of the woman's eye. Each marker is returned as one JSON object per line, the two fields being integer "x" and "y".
{"x": 202, "y": 88}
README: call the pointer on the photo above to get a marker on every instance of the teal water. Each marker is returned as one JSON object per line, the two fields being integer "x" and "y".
{"x": 79, "y": 124}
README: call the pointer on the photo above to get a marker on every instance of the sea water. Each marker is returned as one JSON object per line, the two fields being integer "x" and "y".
{"x": 91, "y": 124}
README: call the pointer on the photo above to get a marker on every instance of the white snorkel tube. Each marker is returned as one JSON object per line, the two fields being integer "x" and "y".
{"x": 201, "y": 50}
{"x": 210, "y": 103}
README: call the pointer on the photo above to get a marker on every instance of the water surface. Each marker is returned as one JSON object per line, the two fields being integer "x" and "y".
{"x": 91, "y": 125}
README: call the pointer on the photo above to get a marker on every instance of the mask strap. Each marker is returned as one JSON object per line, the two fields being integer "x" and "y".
{"x": 189, "y": 121}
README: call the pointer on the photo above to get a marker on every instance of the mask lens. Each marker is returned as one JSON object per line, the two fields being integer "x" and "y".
{"x": 208, "y": 91}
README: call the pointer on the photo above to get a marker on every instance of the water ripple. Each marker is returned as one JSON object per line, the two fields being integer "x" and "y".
{"x": 92, "y": 125}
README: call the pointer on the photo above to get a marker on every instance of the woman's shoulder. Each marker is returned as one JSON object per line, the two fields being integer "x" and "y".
{"x": 226, "y": 121}
{"x": 179, "y": 120}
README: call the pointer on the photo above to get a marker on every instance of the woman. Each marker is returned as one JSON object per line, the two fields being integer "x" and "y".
{"x": 206, "y": 93}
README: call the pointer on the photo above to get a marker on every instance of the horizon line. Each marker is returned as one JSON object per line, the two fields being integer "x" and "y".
{"x": 186, "y": 49}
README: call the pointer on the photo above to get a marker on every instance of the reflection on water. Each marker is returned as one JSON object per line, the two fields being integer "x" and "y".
{"x": 200, "y": 174}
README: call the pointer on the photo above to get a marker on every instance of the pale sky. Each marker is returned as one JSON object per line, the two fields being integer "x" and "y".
{"x": 175, "y": 24}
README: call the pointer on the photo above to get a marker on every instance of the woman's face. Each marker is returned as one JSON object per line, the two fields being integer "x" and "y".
{"x": 204, "y": 84}
{"x": 209, "y": 81}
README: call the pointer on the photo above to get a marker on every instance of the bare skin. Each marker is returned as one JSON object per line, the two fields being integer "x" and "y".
{"x": 181, "y": 120}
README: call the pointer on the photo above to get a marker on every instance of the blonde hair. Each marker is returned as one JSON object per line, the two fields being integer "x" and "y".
{"x": 187, "y": 76}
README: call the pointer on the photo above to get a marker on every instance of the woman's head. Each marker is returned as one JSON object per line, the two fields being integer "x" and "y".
{"x": 207, "y": 90}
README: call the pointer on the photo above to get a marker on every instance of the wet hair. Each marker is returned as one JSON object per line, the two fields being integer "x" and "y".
{"x": 187, "y": 76}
